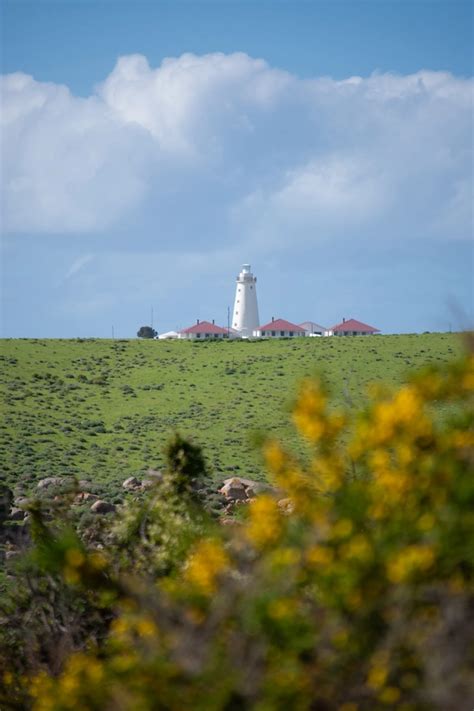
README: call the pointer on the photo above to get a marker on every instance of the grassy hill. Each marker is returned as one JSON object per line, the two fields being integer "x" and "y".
{"x": 103, "y": 409}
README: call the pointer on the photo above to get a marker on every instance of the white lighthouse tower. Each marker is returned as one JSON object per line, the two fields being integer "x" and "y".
{"x": 245, "y": 318}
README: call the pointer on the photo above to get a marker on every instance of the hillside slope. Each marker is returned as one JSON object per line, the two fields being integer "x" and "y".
{"x": 104, "y": 409}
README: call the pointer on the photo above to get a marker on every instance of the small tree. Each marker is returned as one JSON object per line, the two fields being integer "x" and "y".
{"x": 146, "y": 332}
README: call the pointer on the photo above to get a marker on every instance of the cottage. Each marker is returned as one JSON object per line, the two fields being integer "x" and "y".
{"x": 204, "y": 330}
{"x": 351, "y": 327}
{"x": 313, "y": 329}
{"x": 168, "y": 336}
{"x": 279, "y": 328}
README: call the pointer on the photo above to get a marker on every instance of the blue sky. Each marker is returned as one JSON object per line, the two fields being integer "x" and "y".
{"x": 150, "y": 148}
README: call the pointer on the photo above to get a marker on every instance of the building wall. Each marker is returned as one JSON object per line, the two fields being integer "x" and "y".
{"x": 278, "y": 334}
{"x": 202, "y": 336}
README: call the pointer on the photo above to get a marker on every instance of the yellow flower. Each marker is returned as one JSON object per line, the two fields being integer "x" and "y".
{"x": 283, "y": 557}
{"x": 146, "y": 627}
{"x": 408, "y": 561}
{"x": 265, "y": 522}
{"x": 75, "y": 557}
{"x": 377, "y": 676}
{"x": 97, "y": 561}
{"x": 357, "y": 548}
{"x": 71, "y": 576}
{"x": 342, "y": 528}
{"x": 206, "y": 563}
{"x": 309, "y": 410}
{"x": 426, "y": 522}
{"x": 279, "y": 609}
{"x": 274, "y": 456}
{"x": 389, "y": 695}
{"x": 319, "y": 555}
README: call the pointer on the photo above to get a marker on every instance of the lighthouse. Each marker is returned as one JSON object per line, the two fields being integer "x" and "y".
{"x": 245, "y": 318}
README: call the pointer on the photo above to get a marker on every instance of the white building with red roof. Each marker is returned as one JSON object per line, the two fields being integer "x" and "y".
{"x": 204, "y": 330}
{"x": 313, "y": 329}
{"x": 352, "y": 327}
{"x": 279, "y": 328}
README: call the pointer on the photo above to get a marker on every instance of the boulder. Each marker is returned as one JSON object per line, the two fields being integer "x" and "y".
{"x": 102, "y": 507}
{"x": 228, "y": 521}
{"x": 287, "y": 506}
{"x": 234, "y": 489}
{"x": 131, "y": 483}
{"x": 85, "y": 496}
{"x": 49, "y": 482}
{"x": 251, "y": 486}
{"x": 16, "y": 514}
{"x": 22, "y": 502}
{"x": 238, "y": 485}
{"x": 154, "y": 474}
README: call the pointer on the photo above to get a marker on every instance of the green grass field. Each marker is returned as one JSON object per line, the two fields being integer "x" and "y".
{"x": 103, "y": 410}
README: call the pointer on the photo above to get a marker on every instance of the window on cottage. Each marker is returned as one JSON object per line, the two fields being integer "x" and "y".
{"x": 291, "y": 333}
{"x": 273, "y": 333}
{"x": 198, "y": 335}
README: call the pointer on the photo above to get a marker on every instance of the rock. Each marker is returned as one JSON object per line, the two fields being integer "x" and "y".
{"x": 154, "y": 474}
{"x": 234, "y": 489}
{"x": 16, "y": 514}
{"x": 287, "y": 506}
{"x": 252, "y": 487}
{"x": 149, "y": 483}
{"x": 85, "y": 496}
{"x": 102, "y": 507}
{"x": 131, "y": 483}
{"x": 22, "y": 502}
{"x": 49, "y": 481}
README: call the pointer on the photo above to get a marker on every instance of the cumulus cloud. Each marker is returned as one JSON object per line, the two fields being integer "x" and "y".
{"x": 232, "y": 145}
{"x": 68, "y": 164}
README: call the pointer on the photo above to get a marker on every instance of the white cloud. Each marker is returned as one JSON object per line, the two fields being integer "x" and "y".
{"x": 77, "y": 265}
{"x": 388, "y": 154}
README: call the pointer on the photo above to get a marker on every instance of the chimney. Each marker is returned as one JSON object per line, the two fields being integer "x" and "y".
{"x": 343, "y": 320}
{"x": 197, "y": 321}
{"x": 213, "y": 322}
{"x": 273, "y": 318}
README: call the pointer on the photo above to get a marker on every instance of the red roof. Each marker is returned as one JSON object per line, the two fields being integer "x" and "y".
{"x": 281, "y": 325}
{"x": 205, "y": 327}
{"x": 352, "y": 325}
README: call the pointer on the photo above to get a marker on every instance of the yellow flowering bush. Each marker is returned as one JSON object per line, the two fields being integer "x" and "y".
{"x": 350, "y": 589}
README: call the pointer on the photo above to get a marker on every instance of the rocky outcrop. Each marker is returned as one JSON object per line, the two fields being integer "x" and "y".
{"x": 287, "y": 506}
{"x": 234, "y": 489}
{"x": 102, "y": 507}
{"x": 240, "y": 489}
{"x": 16, "y": 514}
{"x": 131, "y": 483}
{"x": 48, "y": 482}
